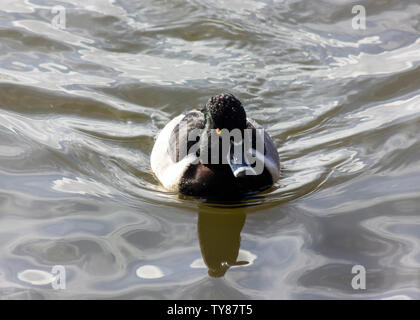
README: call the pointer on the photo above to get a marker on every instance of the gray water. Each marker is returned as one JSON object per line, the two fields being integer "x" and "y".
{"x": 81, "y": 104}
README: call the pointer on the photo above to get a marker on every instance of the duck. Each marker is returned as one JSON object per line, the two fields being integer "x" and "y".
{"x": 215, "y": 152}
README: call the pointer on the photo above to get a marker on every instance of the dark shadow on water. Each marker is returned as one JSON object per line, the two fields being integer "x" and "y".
{"x": 220, "y": 222}
{"x": 219, "y": 234}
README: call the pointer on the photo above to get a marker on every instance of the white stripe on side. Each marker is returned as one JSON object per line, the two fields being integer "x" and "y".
{"x": 167, "y": 171}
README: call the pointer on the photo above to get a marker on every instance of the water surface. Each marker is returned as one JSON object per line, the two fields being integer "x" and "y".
{"x": 80, "y": 107}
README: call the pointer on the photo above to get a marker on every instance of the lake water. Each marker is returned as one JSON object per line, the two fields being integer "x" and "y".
{"x": 86, "y": 87}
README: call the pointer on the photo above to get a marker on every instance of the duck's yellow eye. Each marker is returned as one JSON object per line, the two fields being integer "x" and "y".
{"x": 218, "y": 131}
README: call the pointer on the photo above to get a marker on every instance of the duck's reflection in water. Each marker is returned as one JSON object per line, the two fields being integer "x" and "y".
{"x": 219, "y": 234}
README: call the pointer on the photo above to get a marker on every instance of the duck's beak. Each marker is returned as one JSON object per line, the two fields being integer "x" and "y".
{"x": 237, "y": 162}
